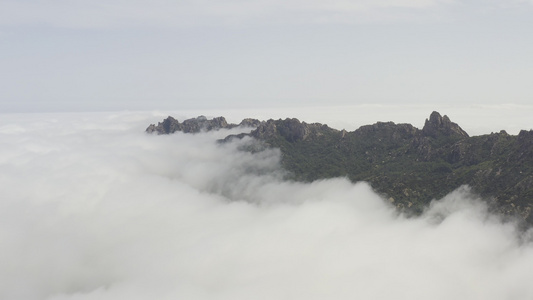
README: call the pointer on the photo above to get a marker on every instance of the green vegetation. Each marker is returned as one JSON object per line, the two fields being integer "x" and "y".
{"x": 410, "y": 168}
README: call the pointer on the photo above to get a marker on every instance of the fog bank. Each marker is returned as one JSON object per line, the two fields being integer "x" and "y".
{"x": 91, "y": 207}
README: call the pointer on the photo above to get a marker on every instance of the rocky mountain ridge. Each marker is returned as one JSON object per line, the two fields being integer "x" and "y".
{"x": 195, "y": 125}
{"x": 409, "y": 166}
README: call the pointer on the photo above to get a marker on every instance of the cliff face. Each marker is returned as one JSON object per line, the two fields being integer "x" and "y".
{"x": 409, "y": 166}
{"x": 292, "y": 130}
{"x": 437, "y": 126}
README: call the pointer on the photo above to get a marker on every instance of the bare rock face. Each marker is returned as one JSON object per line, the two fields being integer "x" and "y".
{"x": 171, "y": 125}
{"x": 202, "y": 123}
{"x": 195, "y": 125}
{"x": 266, "y": 130}
{"x": 525, "y": 138}
{"x": 250, "y": 123}
{"x": 437, "y": 126}
{"x": 292, "y": 130}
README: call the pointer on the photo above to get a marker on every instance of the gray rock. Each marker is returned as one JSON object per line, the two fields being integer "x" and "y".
{"x": 437, "y": 126}
{"x": 250, "y": 123}
{"x": 195, "y": 125}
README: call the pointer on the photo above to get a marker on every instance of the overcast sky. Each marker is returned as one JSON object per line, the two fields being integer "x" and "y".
{"x": 61, "y": 55}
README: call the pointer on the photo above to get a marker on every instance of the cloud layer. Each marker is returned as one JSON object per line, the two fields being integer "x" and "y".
{"x": 93, "y": 208}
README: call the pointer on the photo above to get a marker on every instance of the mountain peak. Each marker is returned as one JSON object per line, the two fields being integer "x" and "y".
{"x": 194, "y": 125}
{"x": 438, "y": 125}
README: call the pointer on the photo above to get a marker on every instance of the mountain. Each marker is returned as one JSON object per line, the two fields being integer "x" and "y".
{"x": 171, "y": 125}
{"x": 409, "y": 166}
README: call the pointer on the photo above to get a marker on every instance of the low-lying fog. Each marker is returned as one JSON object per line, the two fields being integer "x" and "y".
{"x": 91, "y": 207}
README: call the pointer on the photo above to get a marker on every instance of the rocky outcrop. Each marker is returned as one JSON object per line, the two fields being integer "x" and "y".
{"x": 169, "y": 125}
{"x": 195, "y": 125}
{"x": 292, "y": 130}
{"x": 396, "y": 133}
{"x": 250, "y": 123}
{"x": 437, "y": 126}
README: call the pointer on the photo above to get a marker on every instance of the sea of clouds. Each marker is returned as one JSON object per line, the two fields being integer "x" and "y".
{"x": 92, "y": 207}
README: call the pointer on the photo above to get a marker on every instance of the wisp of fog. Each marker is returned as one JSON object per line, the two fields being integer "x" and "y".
{"x": 92, "y": 207}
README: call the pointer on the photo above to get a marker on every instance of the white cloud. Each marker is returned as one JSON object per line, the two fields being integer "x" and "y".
{"x": 93, "y": 208}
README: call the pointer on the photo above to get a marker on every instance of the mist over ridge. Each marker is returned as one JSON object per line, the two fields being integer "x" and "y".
{"x": 93, "y": 208}
{"x": 342, "y": 192}
{"x": 409, "y": 166}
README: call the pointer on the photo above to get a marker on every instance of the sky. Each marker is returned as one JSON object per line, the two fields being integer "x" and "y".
{"x": 93, "y": 208}
{"x": 169, "y": 55}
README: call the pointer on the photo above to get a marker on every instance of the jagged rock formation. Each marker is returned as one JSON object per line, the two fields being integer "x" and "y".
{"x": 437, "y": 126}
{"x": 291, "y": 130}
{"x": 195, "y": 125}
{"x": 409, "y": 166}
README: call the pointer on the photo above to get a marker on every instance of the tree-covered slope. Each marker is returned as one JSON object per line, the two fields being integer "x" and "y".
{"x": 409, "y": 166}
